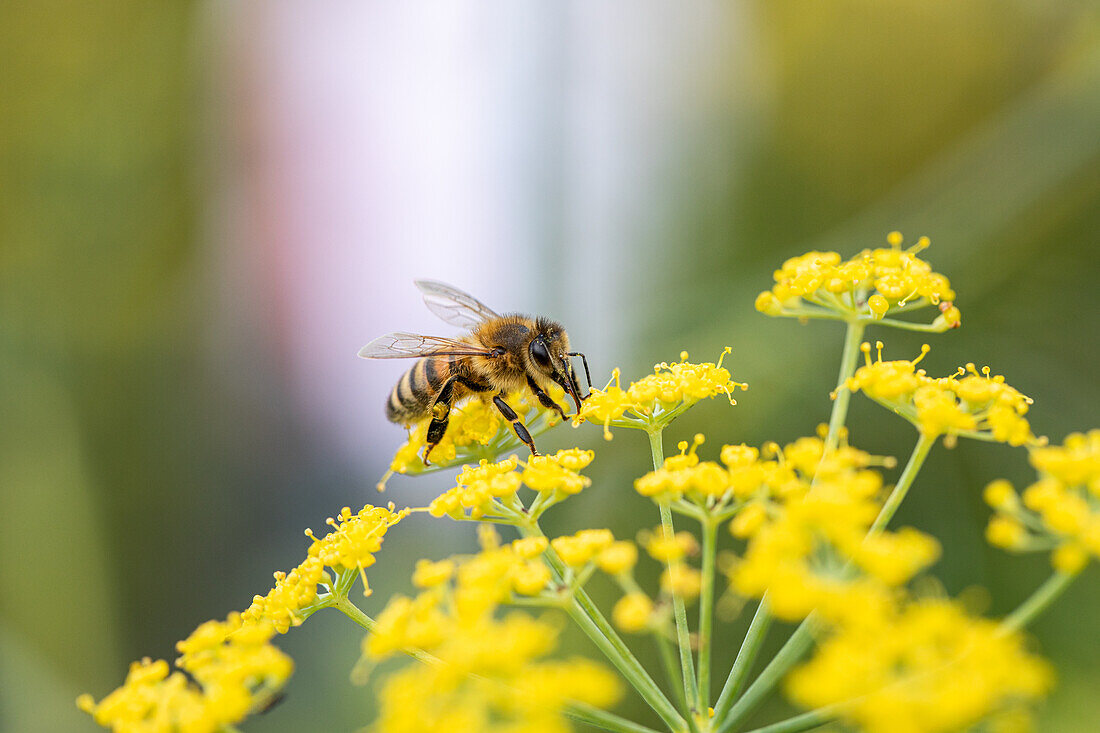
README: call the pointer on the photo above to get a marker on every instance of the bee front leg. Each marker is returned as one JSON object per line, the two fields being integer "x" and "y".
{"x": 544, "y": 398}
{"x": 511, "y": 416}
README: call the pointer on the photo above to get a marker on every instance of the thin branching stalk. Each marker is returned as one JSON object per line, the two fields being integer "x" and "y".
{"x": 754, "y": 638}
{"x": 848, "y": 358}
{"x": 602, "y": 719}
{"x": 625, "y": 662}
{"x": 349, "y": 609}
{"x": 806, "y": 721}
{"x": 797, "y": 645}
{"x": 679, "y": 610}
{"x": 706, "y": 610}
{"x": 1038, "y": 601}
{"x": 802, "y": 639}
{"x": 593, "y": 623}
{"x": 731, "y": 712}
{"x": 916, "y": 460}
{"x": 668, "y": 661}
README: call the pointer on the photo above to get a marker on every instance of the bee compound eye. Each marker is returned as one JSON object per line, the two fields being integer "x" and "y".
{"x": 540, "y": 354}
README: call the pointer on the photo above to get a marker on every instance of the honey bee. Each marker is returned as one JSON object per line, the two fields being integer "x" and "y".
{"x": 500, "y": 354}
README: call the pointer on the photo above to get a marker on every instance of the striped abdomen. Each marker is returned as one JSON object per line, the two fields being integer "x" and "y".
{"x": 415, "y": 392}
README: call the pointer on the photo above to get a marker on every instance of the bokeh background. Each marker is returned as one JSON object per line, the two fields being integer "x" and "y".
{"x": 207, "y": 207}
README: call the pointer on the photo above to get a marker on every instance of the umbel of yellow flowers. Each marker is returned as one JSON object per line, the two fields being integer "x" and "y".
{"x": 871, "y": 286}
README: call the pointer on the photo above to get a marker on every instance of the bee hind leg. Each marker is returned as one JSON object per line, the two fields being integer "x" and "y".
{"x": 441, "y": 414}
{"x": 513, "y": 419}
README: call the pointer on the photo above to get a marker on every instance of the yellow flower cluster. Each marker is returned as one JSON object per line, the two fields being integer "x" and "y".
{"x": 754, "y": 477}
{"x": 514, "y": 690}
{"x": 597, "y": 548}
{"x": 558, "y": 472}
{"x": 489, "y": 489}
{"x": 869, "y": 285}
{"x": 656, "y": 399}
{"x": 579, "y": 549}
{"x": 484, "y": 673}
{"x": 919, "y": 667}
{"x": 807, "y": 522}
{"x": 686, "y": 474}
{"x": 1062, "y": 507}
{"x": 475, "y": 430}
{"x": 235, "y": 667}
{"x": 633, "y": 612}
{"x": 476, "y": 490}
{"x": 293, "y": 591}
{"x": 456, "y": 593}
{"x": 355, "y": 538}
{"x": 805, "y": 559}
{"x": 235, "y": 670}
{"x": 967, "y": 402}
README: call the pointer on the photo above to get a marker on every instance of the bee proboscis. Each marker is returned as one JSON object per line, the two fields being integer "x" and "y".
{"x": 500, "y": 354}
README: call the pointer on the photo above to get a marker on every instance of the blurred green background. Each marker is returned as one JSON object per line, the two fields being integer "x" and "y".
{"x": 143, "y": 491}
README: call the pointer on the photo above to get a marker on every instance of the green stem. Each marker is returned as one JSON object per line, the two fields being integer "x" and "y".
{"x": 806, "y": 721}
{"x": 706, "y": 610}
{"x": 863, "y": 320}
{"x": 664, "y": 648}
{"x": 799, "y": 643}
{"x": 602, "y": 719}
{"x": 750, "y": 647}
{"x": 1038, "y": 601}
{"x": 908, "y": 326}
{"x": 657, "y": 448}
{"x": 615, "y": 650}
{"x": 728, "y": 712}
{"x": 349, "y": 609}
{"x": 848, "y": 358}
{"x": 916, "y": 460}
{"x": 802, "y": 638}
{"x": 679, "y": 610}
{"x": 592, "y": 622}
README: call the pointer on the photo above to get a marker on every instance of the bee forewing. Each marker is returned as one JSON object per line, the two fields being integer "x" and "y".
{"x": 400, "y": 345}
{"x": 454, "y": 306}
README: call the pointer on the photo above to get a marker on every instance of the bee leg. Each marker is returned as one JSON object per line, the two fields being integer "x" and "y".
{"x": 511, "y": 416}
{"x": 544, "y": 398}
{"x": 441, "y": 413}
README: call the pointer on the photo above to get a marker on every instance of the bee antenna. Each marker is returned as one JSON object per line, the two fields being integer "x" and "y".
{"x": 584, "y": 360}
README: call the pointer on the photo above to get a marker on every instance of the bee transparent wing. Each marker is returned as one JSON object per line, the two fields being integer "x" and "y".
{"x": 410, "y": 345}
{"x": 454, "y": 306}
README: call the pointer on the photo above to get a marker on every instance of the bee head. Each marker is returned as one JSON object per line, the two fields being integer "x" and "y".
{"x": 548, "y": 358}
